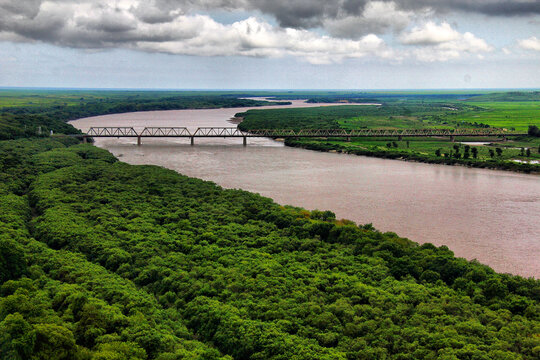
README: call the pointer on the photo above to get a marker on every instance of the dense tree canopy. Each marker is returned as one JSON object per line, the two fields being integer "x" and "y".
{"x": 113, "y": 261}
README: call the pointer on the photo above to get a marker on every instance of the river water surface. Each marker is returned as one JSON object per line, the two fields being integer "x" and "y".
{"x": 489, "y": 215}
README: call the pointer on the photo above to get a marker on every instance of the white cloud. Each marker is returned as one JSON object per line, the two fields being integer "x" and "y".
{"x": 169, "y": 26}
{"x": 138, "y": 25}
{"x": 252, "y": 37}
{"x": 430, "y": 34}
{"x": 443, "y": 43}
{"x": 532, "y": 43}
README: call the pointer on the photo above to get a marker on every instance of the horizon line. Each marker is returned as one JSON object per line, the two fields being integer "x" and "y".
{"x": 256, "y": 89}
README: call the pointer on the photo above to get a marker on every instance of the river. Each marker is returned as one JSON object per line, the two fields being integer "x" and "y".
{"x": 488, "y": 215}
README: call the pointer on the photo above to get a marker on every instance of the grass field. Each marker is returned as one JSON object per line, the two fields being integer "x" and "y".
{"x": 521, "y": 110}
{"x": 509, "y": 115}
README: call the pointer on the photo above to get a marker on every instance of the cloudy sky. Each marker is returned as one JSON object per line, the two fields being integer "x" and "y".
{"x": 269, "y": 44}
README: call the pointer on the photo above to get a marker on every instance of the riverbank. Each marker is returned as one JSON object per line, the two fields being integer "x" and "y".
{"x": 347, "y": 148}
{"x": 363, "y": 189}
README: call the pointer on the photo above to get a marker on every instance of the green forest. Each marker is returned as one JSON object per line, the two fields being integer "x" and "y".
{"x": 104, "y": 260}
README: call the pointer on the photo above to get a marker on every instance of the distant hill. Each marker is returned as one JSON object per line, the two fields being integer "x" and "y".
{"x": 508, "y": 96}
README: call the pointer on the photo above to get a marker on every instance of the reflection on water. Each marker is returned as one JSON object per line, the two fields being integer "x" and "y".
{"x": 492, "y": 216}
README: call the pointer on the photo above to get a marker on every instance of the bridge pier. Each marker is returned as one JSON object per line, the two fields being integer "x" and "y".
{"x": 400, "y": 137}
{"x": 245, "y": 141}
{"x": 452, "y": 139}
{"x": 85, "y": 139}
{"x": 348, "y": 139}
{"x": 139, "y": 141}
{"x": 192, "y": 141}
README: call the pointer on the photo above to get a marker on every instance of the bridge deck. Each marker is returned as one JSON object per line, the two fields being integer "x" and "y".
{"x": 288, "y": 133}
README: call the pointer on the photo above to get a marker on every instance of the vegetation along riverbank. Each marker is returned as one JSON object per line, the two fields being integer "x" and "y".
{"x": 513, "y": 112}
{"x": 104, "y": 260}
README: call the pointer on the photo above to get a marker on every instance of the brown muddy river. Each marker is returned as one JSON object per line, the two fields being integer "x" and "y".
{"x": 489, "y": 215}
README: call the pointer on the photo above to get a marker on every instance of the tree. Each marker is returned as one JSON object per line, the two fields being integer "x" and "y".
{"x": 54, "y": 342}
{"x": 499, "y": 151}
{"x": 16, "y": 338}
{"x": 474, "y": 151}
{"x": 528, "y": 152}
{"x": 119, "y": 351}
{"x": 466, "y": 152}
{"x": 12, "y": 263}
{"x": 522, "y": 152}
{"x": 534, "y": 131}
{"x": 438, "y": 152}
{"x": 491, "y": 153}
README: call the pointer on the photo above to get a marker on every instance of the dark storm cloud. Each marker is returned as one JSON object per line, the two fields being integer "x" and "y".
{"x": 338, "y": 15}
{"x": 300, "y": 13}
{"x": 486, "y": 7}
{"x": 311, "y": 13}
{"x": 27, "y": 8}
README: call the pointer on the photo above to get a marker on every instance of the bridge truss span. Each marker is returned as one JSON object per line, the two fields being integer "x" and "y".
{"x": 165, "y": 132}
{"x": 272, "y": 133}
{"x": 112, "y": 132}
{"x": 234, "y": 132}
{"x": 220, "y": 132}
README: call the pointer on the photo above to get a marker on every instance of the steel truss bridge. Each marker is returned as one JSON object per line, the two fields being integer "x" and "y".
{"x": 233, "y": 132}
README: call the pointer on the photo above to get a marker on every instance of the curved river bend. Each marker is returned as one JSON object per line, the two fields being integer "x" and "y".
{"x": 492, "y": 216}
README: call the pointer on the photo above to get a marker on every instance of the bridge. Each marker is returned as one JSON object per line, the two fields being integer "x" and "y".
{"x": 234, "y": 132}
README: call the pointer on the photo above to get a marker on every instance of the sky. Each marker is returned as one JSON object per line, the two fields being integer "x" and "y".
{"x": 270, "y": 44}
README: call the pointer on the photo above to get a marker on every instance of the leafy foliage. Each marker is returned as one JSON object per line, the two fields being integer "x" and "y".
{"x": 139, "y": 262}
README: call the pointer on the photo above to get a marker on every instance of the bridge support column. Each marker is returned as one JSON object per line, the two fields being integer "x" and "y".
{"x": 452, "y": 139}
{"x": 192, "y": 141}
{"x": 504, "y": 138}
{"x": 85, "y": 139}
{"x": 348, "y": 139}
{"x": 245, "y": 141}
{"x": 400, "y": 137}
{"x": 139, "y": 142}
